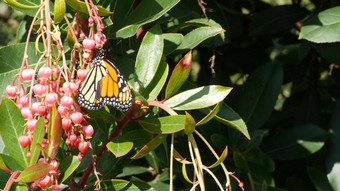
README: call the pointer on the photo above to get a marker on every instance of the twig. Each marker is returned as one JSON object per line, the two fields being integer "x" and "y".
{"x": 201, "y": 3}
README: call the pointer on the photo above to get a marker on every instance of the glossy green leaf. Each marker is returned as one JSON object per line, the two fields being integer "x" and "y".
{"x": 323, "y": 27}
{"x": 332, "y": 156}
{"x": 179, "y": 75}
{"x": 34, "y": 172}
{"x": 201, "y": 22}
{"x": 28, "y": 7}
{"x": 221, "y": 158}
{"x": 67, "y": 166}
{"x": 17, "y": 4}
{"x": 190, "y": 124}
{"x": 257, "y": 99}
{"x": 138, "y": 137}
{"x": 81, "y": 7}
{"x": 119, "y": 146}
{"x": 210, "y": 113}
{"x": 111, "y": 185}
{"x": 121, "y": 10}
{"x": 147, "y": 11}
{"x": 149, "y": 57}
{"x": 37, "y": 140}
{"x": 2, "y": 163}
{"x": 157, "y": 83}
{"x": 12, "y": 127}
{"x": 297, "y": 142}
{"x": 133, "y": 170}
{"x": 10, "y": 162}
{"x": 171, "y": 41}
{"x": 229, "y": 117}
{"x": 59, "y": 11}
{"x": 152, "y": 145}
{"x": 277, "y": 19}
{"x": 11, "y": 59}
{"x": 54, "y": 133}
{"x": 198, "y": 98}
{"x": 196, "y": 36}
{"x": 319, "y": 179}
{"x": 164, "y": 125}
{"x": 137, "y": 184}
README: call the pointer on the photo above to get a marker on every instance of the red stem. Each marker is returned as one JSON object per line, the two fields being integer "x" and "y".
{"x": 120, "y": 125}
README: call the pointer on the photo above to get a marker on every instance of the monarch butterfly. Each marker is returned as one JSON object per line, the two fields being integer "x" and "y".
{"x": 104, "y": 85}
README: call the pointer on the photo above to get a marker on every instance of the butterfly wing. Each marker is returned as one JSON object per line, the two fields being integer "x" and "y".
{"x": 87, "y": 92}
{"x": 113, "y": 89}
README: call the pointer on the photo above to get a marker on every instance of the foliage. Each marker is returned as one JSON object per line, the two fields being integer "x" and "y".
{"x": 271, "y": 123}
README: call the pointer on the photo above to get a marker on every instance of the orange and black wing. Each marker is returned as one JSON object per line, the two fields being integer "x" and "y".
{"x": 113, "y": 89}
{"x": 87, "y": 92}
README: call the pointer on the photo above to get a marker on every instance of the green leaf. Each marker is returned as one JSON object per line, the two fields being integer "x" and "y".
{"x": 196, "y": 36}
{"x": 111, "y": 185}
{"x": 329, "y": 51}
{"x": 198, "y": 98}
{"x": 319, "y": 179}
{"x": 149, "y": 57}
{"x": 59, "y": 11}
{"x": 4, "y": 176}
{"x": 10, "y": 163}
{"x": 12, "y": 127}
{"x": 211, "y": 113}
{"x": 164, "y": 125}
{"x": 240, "y": 162}
{"x": 17, "y": 4}
{"x": 158, "y": 185}
{"x": 37, "y": 140}
{"x": 179, "y": 75}
{"x": 67, "y": 166}
{"x": 133, "y": 170}
{"x": 11, "y": 59}
{"x": 138, "y": 137}
{"x": 332, "y": 156}
{"x": 190, "y": 124}
{"x": 21, "y": 187}
{"x": 153, "y": 160}
{"x": 221, "y": 158}
{"x": 137, "y": 184}
{"x": 229, "y": 117}
{"x": 323, "y": 27}
{"x": 277, "y": 19}
{"x": 54, "y": 132}
{"x": 257, "y": 99}
{"x": 157, "y": 83}
{"x": 152, "y": 145}
{"x": 147, "y": 11}
{"x": 297, "y": 142}
{"x": 81, "y": 7}
{"x": 34, "y": 172}
{"x": 119, "y": 147}
{"x": 121, "y": 11}
{"x": 28, "y": 7}
{"x": 171, "y": 41}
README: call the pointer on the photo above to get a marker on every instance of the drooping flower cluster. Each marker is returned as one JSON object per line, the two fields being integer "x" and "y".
{"x": 55, "y": 85}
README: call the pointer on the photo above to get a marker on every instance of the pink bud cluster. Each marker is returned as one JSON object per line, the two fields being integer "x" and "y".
{"x": 55, "y": 87}
{"x": 49, "y": 91}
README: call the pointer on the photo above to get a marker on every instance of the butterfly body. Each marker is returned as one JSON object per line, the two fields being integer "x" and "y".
{"x": 104, "y": 85}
